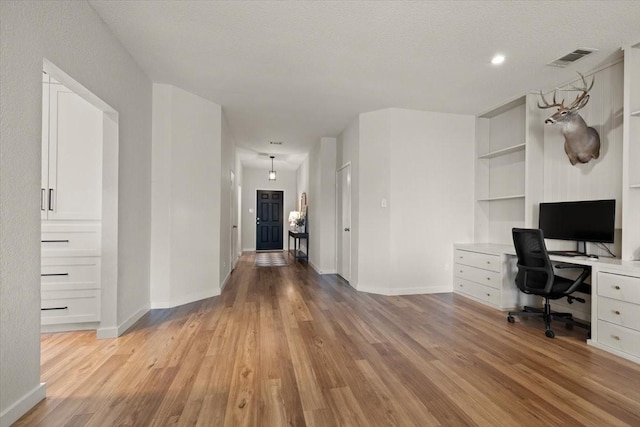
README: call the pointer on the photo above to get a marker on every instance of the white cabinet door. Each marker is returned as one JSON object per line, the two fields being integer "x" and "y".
{"x": 75, "y": 157}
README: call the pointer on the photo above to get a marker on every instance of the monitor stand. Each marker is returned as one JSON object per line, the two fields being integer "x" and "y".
{"x": 581, "y": 250}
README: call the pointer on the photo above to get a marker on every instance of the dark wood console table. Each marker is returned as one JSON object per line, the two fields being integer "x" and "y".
{"x": 296, "y": 251}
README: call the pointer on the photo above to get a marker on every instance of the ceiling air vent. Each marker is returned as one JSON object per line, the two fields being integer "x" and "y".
{"x": 572, "y": 57}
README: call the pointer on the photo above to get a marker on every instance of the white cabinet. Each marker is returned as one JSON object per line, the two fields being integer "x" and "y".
{"x": 485, "y": 273}
{"x": 71, "y": 205}
{"x": 71, "y": 156}
{"x": 70, "y": 289}
{"x": 617, "y": 316}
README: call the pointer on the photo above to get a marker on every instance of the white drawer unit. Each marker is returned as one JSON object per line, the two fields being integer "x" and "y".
{"x": 618, "y": 313}
{"x": 70, "y": 275}
{"x": 73, "y": 306}
{"x": 484, "y": 274}
{"x": 478, "y": 291}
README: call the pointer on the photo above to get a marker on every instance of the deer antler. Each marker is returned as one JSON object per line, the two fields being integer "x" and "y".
{"x": 582, "y": 99}
{"x": 555, "y": 103}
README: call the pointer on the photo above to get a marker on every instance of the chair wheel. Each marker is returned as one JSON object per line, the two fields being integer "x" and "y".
{"x": 510, "y": 319}
{"x": 549, "y": 333}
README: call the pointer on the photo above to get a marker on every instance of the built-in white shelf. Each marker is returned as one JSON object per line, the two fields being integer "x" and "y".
{"x": 635, "y": 113}
{"x": 491, "y": 199}
{"x": 502, "y": 152}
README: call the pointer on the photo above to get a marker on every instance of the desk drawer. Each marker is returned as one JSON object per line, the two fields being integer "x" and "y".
{"x": 67, "y": 273}
{"x": 478, "y": 275}
{"x": 70, "y": 306}
{"x": 477, "y": 259}
{"x": 617, "y": 286}
{"x": 619, "y": 312}
{"x": 73, "y": 240}
{"x": 619, "y": 337}
{"x": 475, "y": 290}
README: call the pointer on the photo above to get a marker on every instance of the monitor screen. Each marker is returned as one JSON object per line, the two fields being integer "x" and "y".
{"x": 588, "y": 221}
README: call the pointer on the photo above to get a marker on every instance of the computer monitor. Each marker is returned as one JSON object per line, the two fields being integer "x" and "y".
{"x": 582, "y": 221}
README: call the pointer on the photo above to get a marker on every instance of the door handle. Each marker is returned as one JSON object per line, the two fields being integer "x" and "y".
{"x": 347, "y": 229}
{"x": 51, "y": 199}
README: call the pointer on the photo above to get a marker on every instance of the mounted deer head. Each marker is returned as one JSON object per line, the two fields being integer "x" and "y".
{"x": 581, "y": 142}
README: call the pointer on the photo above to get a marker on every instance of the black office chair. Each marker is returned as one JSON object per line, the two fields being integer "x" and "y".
{"x": 536, "y": 277}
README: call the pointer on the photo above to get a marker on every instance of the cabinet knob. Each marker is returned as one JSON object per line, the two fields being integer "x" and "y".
{"x": 488, "y": 278}
{"x": 616, "y": 287}
{"x": 617, "y": 312}
{"x": 488, "y": 295}
{"x": 488, "y": 262}
{"x": 615, "y": 337}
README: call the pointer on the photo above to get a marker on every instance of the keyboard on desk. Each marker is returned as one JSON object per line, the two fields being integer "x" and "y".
{"x": 566, "y": 253}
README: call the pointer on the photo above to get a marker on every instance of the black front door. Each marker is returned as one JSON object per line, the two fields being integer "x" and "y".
{"x": 269, "y": 221}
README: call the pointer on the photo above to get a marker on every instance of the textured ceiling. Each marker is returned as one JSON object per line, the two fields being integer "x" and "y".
{"x": 297, "y": 71}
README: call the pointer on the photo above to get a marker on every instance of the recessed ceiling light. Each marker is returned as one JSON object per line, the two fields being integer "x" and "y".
{"x": 497, "y": 60}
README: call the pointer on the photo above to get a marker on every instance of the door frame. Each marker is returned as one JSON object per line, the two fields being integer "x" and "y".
{"x": 339, "y": 220}
{"x": 284, "y": 222}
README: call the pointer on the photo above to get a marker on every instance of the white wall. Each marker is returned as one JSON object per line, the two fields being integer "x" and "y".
{"x": 74, "y": 38}
{"x": 186, "y": 197}
{"x": 374, "y": 240}
{"x": 432, "y": 197}
{"x": 254, "y": 179}
{"x": 322, "y": 206}
{"x": 412, "y": 197}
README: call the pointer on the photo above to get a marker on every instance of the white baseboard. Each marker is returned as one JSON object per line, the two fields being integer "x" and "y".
{"x": 106, "y": 333}
{"x": 186, "y": 299}
{"x": 225, "y": 281}
{"x": 248, "y": 250}
{"x": 320, "y": 270}
{"x": 23, "y": 405}
{"x": 418, "y": 290}
{"x": 66, "y": 327}
{"x": 122, "y": 328}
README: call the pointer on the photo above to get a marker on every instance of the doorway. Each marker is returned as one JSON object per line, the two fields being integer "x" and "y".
{"x": 343, "y": 204}
{"x": 269, "y": 221}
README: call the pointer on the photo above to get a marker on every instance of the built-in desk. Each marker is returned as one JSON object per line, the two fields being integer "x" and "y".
{"x": 615, "y": 291}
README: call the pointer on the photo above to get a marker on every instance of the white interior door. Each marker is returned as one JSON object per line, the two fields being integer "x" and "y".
{"x": 344, "y": 222}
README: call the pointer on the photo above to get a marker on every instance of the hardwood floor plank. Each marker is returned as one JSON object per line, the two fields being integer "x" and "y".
{"x": 287, "y": 347}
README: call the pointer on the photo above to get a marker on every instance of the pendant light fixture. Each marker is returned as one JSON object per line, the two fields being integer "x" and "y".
{"x": 272, "y": 173}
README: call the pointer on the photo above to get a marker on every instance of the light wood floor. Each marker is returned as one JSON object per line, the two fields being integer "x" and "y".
{"x": 284, "y": 346}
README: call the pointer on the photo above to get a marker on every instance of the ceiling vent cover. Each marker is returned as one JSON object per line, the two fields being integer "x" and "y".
{"x": 572, "y": 57}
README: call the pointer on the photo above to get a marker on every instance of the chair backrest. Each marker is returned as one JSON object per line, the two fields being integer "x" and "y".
{"x": 535, "y": 271}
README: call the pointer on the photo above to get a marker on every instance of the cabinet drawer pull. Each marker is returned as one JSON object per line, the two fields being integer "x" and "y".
{"x": 488, "y": 278}
{"x": 42, "y": 193}
{"x": 55, "y": 241}
{"x": 615, "y": 337}
{"x": 51, "y": 199}
{"x": 54, "y": 308}
{"x": 54, "y": 274}
{"x": 617, "y": 312}
{"x": 616, "y": 287}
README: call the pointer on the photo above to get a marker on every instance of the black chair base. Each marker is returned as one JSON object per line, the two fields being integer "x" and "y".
{"x": 548, "y": 316}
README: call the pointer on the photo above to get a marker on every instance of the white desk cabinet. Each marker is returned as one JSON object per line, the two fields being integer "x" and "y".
{"x": 484, "y": 273}
{"x": 617, "y": 313}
